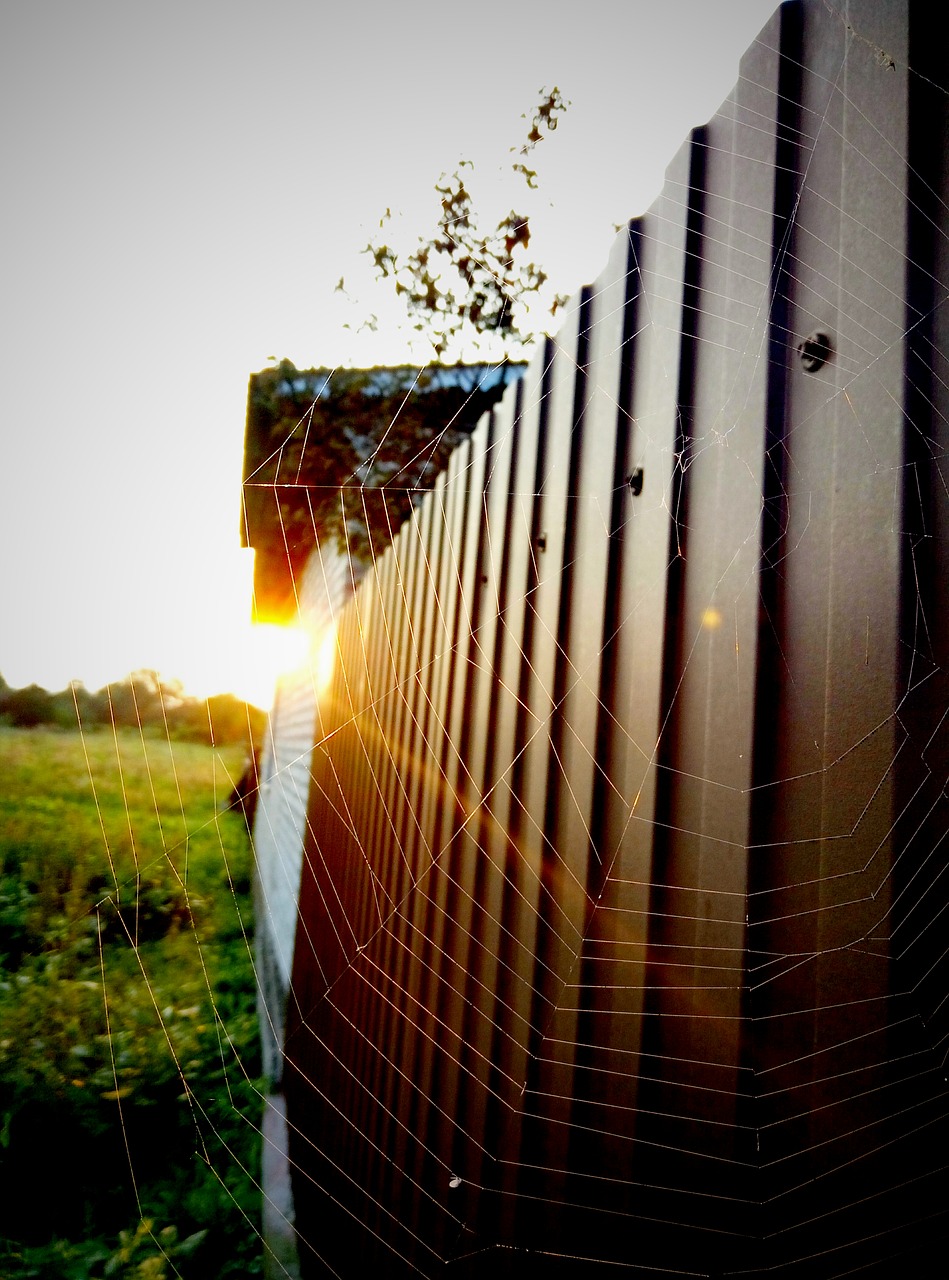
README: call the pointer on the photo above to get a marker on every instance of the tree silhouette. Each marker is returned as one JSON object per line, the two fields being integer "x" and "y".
{"x": 467, "y": 289}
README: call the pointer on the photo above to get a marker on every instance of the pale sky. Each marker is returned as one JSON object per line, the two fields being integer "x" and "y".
{"x": 184, "y": 185}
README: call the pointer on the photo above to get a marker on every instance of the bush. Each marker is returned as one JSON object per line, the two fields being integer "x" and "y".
{"x": 129, "y": 1101}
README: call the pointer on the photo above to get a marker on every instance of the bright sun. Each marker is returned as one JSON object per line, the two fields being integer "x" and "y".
{"x": 269, "y": 652}
{"x": 224, "y": 652}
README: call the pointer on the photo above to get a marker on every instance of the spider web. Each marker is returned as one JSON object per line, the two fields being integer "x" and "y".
{"x": 617, "y": 905}
{"x": 619, "y": 822}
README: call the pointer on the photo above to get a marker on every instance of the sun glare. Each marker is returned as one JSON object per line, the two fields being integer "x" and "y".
{"x": 272, "y": 652}
{"x": 275, "y": 652}
{"x": 324, "y": 661}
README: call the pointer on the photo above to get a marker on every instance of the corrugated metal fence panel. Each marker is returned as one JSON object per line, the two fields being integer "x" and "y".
{"x": 284, "y": 787}
{"x": 619, "y": 937}
{"x": 841, "y": 677}
{"x": 691, "y": 1119}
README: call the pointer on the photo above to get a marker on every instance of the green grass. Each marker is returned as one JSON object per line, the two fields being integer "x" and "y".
{"x": 129, "y": 1103}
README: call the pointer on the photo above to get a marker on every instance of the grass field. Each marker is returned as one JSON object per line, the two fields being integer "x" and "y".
{"x": 128, "y": 1049}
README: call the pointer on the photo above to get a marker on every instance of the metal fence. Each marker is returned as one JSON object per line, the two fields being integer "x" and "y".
{"x": 621, "y": 925}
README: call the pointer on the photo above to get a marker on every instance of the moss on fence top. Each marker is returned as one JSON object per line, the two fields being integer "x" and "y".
{"x": 345, "y": 453}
